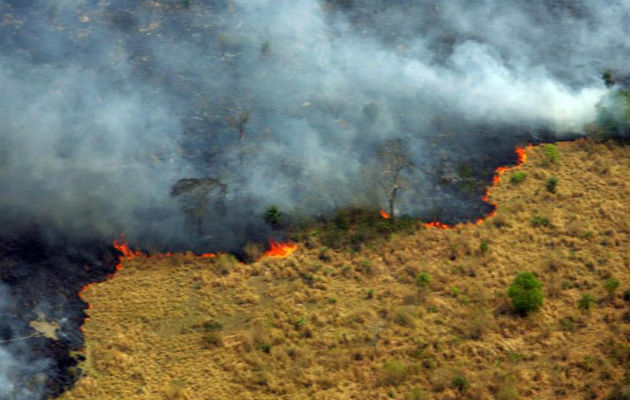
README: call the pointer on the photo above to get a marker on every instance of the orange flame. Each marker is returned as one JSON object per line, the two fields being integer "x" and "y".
{"x": 384, "y": 214}
{"x": 280, "y": 250}
{"x": 122, "y": 246}
{"x": 521, "y": 154}
{"x": 437, "y": 224}
{"x": 127, "y": 254}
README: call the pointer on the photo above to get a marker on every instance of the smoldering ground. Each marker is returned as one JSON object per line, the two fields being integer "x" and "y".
{"x": 106, "y": 105}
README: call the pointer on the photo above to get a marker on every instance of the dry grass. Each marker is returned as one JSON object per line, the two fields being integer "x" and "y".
{"x": 356, "y": 325}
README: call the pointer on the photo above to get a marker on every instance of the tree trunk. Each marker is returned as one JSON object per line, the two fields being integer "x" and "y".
{"x": 392, "y": 200}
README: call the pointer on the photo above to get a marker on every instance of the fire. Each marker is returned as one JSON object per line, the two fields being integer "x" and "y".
{"x": 127, "y": 253}
{"x": 122, "y": 246}
{"x": 521, "y": 154}
{"x": 384, "y": 214}
{"x": 280, "y": 250}
{"x": 437, "y": 224}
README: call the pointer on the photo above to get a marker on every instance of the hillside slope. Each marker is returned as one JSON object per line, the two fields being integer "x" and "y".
{"x": 327, "y": 324}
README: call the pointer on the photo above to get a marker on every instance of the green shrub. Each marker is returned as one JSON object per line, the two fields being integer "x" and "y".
{"x": 483, "y": 246}
{"x": 265, "y": 347}
{"x": 551, "y": 153}
{"x": 539, "y": 220}
{"x": 585, "y": 302}
{"x": 403, "y": 318}
{"x": 273, "y": 217}
{"x": 567, "y": 324}
{"x": 518, "y": 177}
{"x": 551, "y": 184}
{"x": 423, "y": 279}
{"x": 526, "y": 293}
{"x": 415, "y": 394}
{"x": 394, "y": 372}
{"x": 300, "y": 322}
{"x": 460, "y": 382}
{"x": 212, "y": 325}
{"x": 211, "y": 339}
{"x": 611, "y": 286}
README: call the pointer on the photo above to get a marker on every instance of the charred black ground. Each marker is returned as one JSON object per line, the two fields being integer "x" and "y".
{"x": 41, "y": 274}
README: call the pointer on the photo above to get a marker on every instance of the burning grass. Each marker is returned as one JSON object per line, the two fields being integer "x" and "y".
{"x": 425, "y": 314}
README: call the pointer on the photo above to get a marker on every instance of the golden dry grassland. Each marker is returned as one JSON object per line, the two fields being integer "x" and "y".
{"x": 329, "y": 324}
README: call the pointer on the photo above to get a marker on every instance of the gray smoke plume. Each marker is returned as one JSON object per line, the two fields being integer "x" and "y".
{"x": 107, "y": 105}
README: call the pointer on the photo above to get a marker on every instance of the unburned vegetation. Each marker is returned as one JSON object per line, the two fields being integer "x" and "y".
{"x": 418, "y": 313}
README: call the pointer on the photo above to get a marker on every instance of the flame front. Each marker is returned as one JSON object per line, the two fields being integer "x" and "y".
{"x": 437, "y": 224}
{"x": 521, "y": 154}
{"x": 384, "y": 214}
{"x": 122, "y": 246}
{"x": 280, "y": 250}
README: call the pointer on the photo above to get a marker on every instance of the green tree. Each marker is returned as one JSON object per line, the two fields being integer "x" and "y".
{"x": 585, "y": 302}
{"x": 551, "y": 184}
{"x": 611, "y": 286}
{"x": 273, "y": 217}
{"x": 608, "y": 78}
{"x": 526, "y": 293}
{"x": 423, "y": 279}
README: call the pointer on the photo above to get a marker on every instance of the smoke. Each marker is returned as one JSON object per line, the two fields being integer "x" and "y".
{"x": 107, "y": 105}
{"x": 16, "y": 375}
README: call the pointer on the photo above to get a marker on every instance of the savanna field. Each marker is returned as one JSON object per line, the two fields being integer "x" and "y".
{"x": 419, "y": 314}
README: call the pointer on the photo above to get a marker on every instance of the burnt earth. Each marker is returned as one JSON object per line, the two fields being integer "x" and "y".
{"x": 41, "y": 273}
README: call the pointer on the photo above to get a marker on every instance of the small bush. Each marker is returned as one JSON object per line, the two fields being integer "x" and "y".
{"x": 526, "y": 293}
{"x": 585, "y": 302}
{"x": 224, "y": 263}
{"x": 415, "y": 394}
{"x": 253, "y": 251}
{"x": 265, "y": 347}
{"x": 212, "y": 325}
{"x": 460, "y": 382}
{"x": 300, "y": 322}
{"x": 423, "y": 279}
{"x": 539, "y": 220}
{"x": 211, "y": 339}
{"x": 518, "y": 177}
{"x": 551, "y": 184}
{"x": 567, "y": 324}
{"x": 273, "y": 217}
{"x": 394, "y": 372}
{"x": 611, "y": 286}
{"x": 403, "y": 318}
{"x": 483, "y": 246}
{"x": 551, "y": 153}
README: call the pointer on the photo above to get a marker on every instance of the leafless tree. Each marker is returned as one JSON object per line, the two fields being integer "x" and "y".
{"x": 393, "y": 161}
{"x": 239, "y": 121}
{"x": 197, "y": 195}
